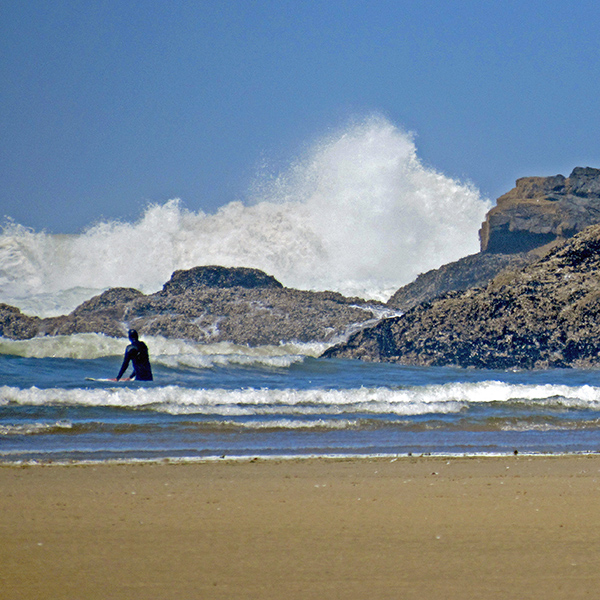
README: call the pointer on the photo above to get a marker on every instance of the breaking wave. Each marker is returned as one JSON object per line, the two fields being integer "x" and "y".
{"x": 359, "y": 214}
{"x": 315, "y": 403}
{"x": 171, "y": 353}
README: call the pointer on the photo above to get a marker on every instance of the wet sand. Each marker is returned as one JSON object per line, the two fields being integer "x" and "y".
{"x": 416, "y": 527}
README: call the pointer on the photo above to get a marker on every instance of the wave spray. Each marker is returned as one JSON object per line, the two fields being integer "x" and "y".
{"x": 358, "y": 213}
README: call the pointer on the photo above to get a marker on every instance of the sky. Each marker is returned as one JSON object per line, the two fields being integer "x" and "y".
{"x": 108, "y": 105}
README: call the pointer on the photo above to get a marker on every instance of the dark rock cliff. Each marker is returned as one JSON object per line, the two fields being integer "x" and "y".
{"x": 546, "y": 314}
{"x": 542, "y": 209}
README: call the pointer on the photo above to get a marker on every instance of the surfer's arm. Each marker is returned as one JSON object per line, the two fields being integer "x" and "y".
{"x": 126, "y": 361}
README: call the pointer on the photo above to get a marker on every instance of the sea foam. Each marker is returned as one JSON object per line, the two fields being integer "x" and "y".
{"x": 359, "y": 213}
{"x": 315, "y": 403}
{"x": 172, "y": 353}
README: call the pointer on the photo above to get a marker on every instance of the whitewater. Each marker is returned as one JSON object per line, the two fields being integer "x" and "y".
{"x": 358, "y": 213}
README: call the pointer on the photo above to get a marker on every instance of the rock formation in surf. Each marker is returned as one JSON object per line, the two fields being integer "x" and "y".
{"x": 525, "y": 223}
{"x": 15, "y": 325}
{"x": 475, "y": 270}
{"x": 206, "y": 304}
{"x": 540, "y": 210}
{"x": 546, "y": 314}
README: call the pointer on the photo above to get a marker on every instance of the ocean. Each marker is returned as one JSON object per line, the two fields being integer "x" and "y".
{"x": 210, "y": 402}
{"x": 358, "y": 213}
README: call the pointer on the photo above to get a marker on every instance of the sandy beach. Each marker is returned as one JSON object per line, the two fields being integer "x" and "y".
{"x": 412, "y": 527}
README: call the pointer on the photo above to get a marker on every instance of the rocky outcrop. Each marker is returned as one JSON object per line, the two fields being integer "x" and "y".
{"x": 544, "y": 315}
{"x": 540, "y": 210}
{"x": 246, "y": 316}
{"x": 205, "y": 304}
{"x": 15, "y": 325}
{"x": 219, "y": 277}
{"x": 105, "y": 313}
{"x": 526, "y": 222}
{"x": 472, "y": 271}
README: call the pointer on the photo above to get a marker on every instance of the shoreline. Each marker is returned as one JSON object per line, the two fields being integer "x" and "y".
{"x": 410, "y": 527}
{"x": 168, "y": 460}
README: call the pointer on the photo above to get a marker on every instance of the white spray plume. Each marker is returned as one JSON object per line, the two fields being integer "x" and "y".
{"x": 359, "y": 213}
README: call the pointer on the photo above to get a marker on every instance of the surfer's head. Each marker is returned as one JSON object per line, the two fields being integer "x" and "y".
{"x": 133, "y": 334}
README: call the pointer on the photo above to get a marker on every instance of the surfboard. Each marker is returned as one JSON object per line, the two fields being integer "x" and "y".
{"x": 113, "y": 380}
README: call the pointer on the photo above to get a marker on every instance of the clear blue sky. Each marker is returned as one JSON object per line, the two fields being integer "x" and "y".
{"x": 108, "y": 104}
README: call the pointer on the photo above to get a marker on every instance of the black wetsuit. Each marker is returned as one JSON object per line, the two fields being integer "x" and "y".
{"x": 137, "y": 354}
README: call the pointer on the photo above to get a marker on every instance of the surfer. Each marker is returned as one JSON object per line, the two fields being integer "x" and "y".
{"x": 137, "y": 354}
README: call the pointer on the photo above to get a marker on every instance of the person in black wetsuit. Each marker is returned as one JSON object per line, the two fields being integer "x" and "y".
{"x": 137, "y": 354}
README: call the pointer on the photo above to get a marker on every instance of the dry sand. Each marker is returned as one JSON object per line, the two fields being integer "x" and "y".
{"x": 423, "y": 528}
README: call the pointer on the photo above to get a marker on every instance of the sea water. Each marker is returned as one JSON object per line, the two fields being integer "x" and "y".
{"x": 208, "y": 402}
{"x": 357, "y": 213}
